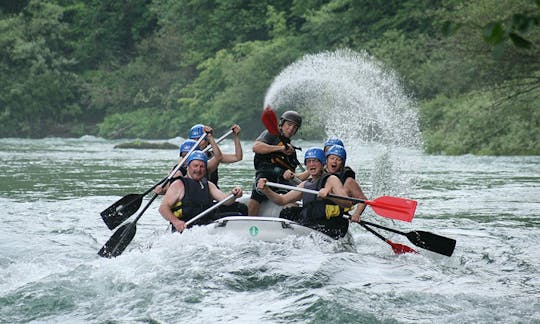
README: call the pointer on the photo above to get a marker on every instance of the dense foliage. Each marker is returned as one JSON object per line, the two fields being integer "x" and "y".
{"x": 152, "y": 68}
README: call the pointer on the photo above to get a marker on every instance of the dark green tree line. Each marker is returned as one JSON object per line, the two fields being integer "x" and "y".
{"x": 152, "y": 68}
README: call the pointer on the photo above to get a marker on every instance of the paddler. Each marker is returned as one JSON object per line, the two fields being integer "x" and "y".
{"x": 304, "y": 175}
{"x": 187, "y": 145}
{"x": 215, "y": 155}
{"x": 319, "y": 211}
{"x": 188, "y": 196}
{"x": 195, "y": 133}
{"x": 336, "y": 156}
{"x": 274, "y": 155}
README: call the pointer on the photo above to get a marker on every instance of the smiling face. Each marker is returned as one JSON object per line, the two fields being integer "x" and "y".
{"x": 333, "y": 163}
{"x": 197, "y": 170}
{"x": 289, "y": 129}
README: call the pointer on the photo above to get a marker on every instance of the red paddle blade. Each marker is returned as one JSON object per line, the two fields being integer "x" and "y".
{"x": 400, "y": 248}
{"x": 393, "y": 207}
{"x": 269, "y": 119}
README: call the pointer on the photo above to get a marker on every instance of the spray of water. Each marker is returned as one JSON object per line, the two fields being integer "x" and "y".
{"x": 352, "y": 96}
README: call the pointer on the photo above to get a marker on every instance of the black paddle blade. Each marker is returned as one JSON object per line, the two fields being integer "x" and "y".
{"x": 118, "y": 241}
{"x": 432, "y": 242}
{"x": 121, "y": 210}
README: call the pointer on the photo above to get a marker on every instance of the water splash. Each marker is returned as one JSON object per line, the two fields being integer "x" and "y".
{"x": 350, "y": 95}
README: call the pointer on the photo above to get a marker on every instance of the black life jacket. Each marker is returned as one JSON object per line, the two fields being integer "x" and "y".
{"x": 183, "y": 170}
{"x": 196, "y": 199}
{"x": 322, "y": 214}
{"x": 272, "y": 164}
{"x": 345, "y": 173}
{"x": 213, "y": 176}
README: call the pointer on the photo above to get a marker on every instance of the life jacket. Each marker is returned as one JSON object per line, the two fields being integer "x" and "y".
{"x": 196, "y": 199}
{"x": 266, "y": 164}
{"x": 183, "y": 170}
{"x": 322, "y": 214}
{"x": 342, "y": 175}
{"x": 345, "y": 173}
{"x": 213, "y": 176}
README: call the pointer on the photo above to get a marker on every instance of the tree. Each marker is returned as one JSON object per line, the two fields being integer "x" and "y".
{"x": 39, "y": 91}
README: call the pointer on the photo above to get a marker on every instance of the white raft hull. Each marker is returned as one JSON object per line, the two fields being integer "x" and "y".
{"x": 262, "y": 228}
{"x": 272, "y": 229}
{"x": 268, "y": 227}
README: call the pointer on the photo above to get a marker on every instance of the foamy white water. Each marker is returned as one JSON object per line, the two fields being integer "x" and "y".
{"x": 53, "y": 191}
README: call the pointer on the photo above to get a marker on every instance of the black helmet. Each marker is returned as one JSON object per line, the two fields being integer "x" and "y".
{"x": 293, "y": 117}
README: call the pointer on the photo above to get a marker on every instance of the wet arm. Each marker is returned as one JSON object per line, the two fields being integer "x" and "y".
{"x": 279, "y": 199}
{"x": 238, "y": 153}
{"x": 263, "y": 148}
{"x": 219, "y": 195}
{"x": 333, "y": 185}
{"x": 354, "y": 190}
{"x": 173, "y": 195}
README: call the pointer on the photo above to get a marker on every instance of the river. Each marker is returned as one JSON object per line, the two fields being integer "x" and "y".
{"x": 52, "y": 191}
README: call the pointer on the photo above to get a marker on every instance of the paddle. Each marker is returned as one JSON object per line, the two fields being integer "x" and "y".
{"x": 209, "y": 209}
{"x": 426, "y": 240}
{"x": 386, "y": 206}
{"x": 121, "y": 210}
{"x": 396, "y": 247}
{"x": 269, "y": 119}
{"x": 229, "y": 132}
{"x": 124, "y": 235}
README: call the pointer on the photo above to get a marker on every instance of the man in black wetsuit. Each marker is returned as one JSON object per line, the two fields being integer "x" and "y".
{"x": 274, "y": 154}
{"x": 190, "y": 195}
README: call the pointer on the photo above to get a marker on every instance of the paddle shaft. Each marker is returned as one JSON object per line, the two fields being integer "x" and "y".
{"x": 390, "y": 207}
{"x": 183, "y": 160}
{"x": 114, "y": 215}
{"x": 177, "y": 167}
{"x": 372, "y": 231}
{"x": 315, "y": 192}
{"x": 206, "y": 149}
{"x": 209, "y": 209}
{"x": 384, "y": 227}
{"x": 118, "y": 242}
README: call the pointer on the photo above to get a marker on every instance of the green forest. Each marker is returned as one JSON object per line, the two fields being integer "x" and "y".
{"x": 152, "y": 68}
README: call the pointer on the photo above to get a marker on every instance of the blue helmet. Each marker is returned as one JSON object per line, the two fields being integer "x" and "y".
{"x": 187, "y": 145}
{"x": 197, "y": 155}
{"x": 337, "y": 150}
{"x": 315, "y": 153}
{"x": 196, "y": 131}
{"x": 333, "y": 141}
